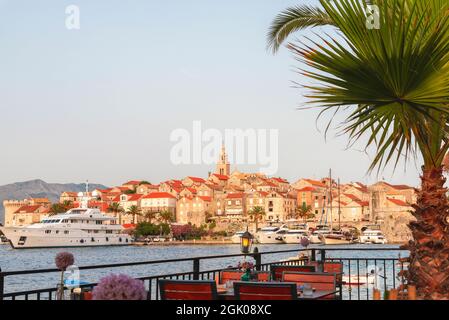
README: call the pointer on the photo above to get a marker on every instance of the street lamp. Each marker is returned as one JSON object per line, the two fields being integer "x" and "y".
{"x": 246, "y": 241}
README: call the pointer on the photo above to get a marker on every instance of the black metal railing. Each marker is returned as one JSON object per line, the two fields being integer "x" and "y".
{"x": 357, "y": 271}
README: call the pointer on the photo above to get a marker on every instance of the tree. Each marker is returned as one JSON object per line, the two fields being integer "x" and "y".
{"x": 303, "y": 212}
{"x": 166, "y": 216}
{"x": 116, "y": 209}
{"x": 393, "y": 82}
{"x": 134, "y": 211}
{"x": 149, "y": 216}
{"x": 57, "y": 208}
{"x": 256, "y": 213}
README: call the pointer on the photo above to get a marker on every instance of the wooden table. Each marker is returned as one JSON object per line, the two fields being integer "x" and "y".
{"x": 317, "y": 294}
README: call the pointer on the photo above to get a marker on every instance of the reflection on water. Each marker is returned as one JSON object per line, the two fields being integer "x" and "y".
{"x": 13, "y": 260}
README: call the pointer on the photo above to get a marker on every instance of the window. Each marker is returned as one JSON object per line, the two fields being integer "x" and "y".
{"x": 66, "y": 232}
{"x": 47, "y": 231}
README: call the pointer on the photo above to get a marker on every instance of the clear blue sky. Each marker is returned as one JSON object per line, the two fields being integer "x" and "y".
{"x": 100, "y": 103}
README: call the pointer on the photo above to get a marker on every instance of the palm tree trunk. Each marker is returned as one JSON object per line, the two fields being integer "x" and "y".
{"x": 429, "y": 250}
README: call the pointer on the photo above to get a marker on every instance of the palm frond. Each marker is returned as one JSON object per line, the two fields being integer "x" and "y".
{"x": 294, "y": 19}
{"x": 395, "y": 79}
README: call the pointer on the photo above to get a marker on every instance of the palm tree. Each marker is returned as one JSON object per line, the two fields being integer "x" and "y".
{"x": 303, "y": 212}
{"x": 393, "y": 82}
{"x": 117, "y": 210}
{"x": 57, "y": 208}
{"x": 67, "y": 204}
{"x": 149, "y": 216}
{"x": 134, "y": 211}
{"x": 166, "y": 216}
{"x": 256, "y": 213}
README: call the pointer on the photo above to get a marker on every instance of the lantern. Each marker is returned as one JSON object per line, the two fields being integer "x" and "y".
{"x": 246, "y": 240}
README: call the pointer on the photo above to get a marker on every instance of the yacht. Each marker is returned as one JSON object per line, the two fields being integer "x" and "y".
{"x": 271, "y": 235}
{"x": 336, "y": 237}
{"x": 236, "y": 237}
{"x": 295, "y": 234}
{"x": 372, "y": 234}
{"x": 78, "y": 227}
{"x": 316, "y": 236}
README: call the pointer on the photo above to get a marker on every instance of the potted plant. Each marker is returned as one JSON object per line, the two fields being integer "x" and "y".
{"x": 248, "y": 267}
{"x": 63, "y": 260}
{"x": 119, "y": 287}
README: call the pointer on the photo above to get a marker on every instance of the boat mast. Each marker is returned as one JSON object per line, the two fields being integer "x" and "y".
{"x": 330, "y": 196}
{"x": 339, "y": 206}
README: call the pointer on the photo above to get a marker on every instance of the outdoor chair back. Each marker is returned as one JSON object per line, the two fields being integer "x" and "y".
{"x": 318, "y": 281}
{"x": 187, "y": 290}
{"x": 278, "y": 270}
{"x": 265, "y": 291}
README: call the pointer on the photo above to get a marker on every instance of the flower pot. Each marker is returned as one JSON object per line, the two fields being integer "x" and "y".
{"x": 411, "y": 290}
{"x": 376, "y": 294}
{"x": 393, "y": 295}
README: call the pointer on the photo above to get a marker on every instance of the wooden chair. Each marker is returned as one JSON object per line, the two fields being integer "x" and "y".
{"x": 320, "y": 281}
{"x": 265, "y": 291}
{"x": 230, "y": 275}
{"x": 333, "y": 267}
{"x": 278, "y": 269}
{"x": 187, "y": 290}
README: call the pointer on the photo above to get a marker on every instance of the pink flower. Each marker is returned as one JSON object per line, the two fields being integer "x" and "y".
{"x": 119, "y": 287}
{"x": 64, "y": 260}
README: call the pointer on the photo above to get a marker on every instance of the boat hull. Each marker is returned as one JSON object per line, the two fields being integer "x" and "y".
{"x": 329, "y": 240}
{"x": 269, "y": 239}
{"x": 21, "y": 238}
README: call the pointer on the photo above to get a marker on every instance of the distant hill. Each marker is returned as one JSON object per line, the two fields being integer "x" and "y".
{"x": 39, "y": 189}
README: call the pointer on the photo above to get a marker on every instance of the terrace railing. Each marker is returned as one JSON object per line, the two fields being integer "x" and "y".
{"x": 358, "y": 271}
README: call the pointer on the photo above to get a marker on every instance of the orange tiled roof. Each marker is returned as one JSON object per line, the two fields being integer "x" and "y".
{"x": 235, "y": 195}
{"x": 27, "y": 209}
{"x": 280, "y": 180}
{"x": 196, "y": 179}
{"x": 159, "y": 195}
{"x": 315, "y": 182}
{"x": 306, "y": 189}
{"x": 221, "y": 176}
{"x": 208, "y": 199}
{"x": 398, "y": 202}
{"x": 132, "y": 182}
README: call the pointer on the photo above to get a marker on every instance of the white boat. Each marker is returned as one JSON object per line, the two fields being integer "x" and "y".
{"x": 316, "y": 236}
{"x": 79, "y": 227}
{"x": 236, "y": 237}
{"x": 361, "y": 280}
{"x": 372, "y": 234}
{"x": 336, "y": 237}
{"x": 271, "y": 235}
{"x": 295, "y": 236}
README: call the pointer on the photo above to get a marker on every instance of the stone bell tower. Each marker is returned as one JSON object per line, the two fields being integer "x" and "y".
{"x": 223, "y": 165}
